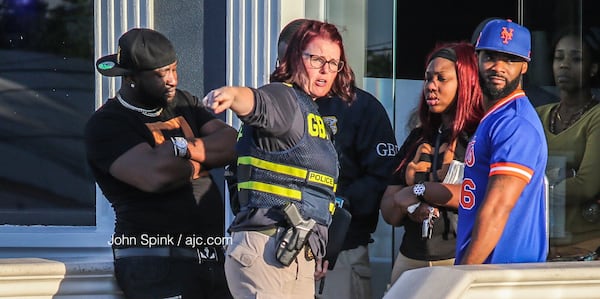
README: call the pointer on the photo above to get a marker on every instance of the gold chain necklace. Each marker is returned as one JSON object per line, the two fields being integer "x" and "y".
{"x": 576, "y": 116}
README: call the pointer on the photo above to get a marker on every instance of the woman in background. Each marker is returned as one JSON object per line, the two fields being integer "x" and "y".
{"x": 572, "y": 129}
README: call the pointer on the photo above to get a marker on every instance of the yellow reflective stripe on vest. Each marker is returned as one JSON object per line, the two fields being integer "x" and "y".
{"x": 278, "y": 190}
{"x": 274, "y": 167}
{"x": 297, "y": 172}
{"x": 273, "y": 189}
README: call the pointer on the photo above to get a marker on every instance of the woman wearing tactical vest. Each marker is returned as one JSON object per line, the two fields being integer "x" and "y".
{"x": 287, "y": 168}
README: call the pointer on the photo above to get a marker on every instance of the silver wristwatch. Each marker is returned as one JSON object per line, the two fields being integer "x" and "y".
{"x": 180, "y": 146}
{"x": 419, "y": 191}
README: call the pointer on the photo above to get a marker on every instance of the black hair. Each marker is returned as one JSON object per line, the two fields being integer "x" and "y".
{"x": 590, "y": 38}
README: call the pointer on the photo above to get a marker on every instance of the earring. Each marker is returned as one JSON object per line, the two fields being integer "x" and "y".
{"x": 132, "y": 84}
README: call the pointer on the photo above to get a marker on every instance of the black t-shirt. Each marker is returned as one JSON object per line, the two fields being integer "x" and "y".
{"x": 193, "y": 209}
{"x": 420, "y": 153}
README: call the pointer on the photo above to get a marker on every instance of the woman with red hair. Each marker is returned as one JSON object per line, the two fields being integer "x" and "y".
{"x": 422, "y": 195}
{"x": 282, "y": 145}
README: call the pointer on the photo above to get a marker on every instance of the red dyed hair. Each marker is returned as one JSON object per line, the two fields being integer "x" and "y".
{"x": 291, "y": 68}
{"x": 467, "y": 109}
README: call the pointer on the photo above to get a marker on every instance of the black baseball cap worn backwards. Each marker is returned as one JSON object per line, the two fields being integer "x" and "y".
{"x": 140, "y": 49}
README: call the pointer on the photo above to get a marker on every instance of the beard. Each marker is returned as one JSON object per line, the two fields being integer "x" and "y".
{"x": 163, "y": 102}
{"x": 493, "y": 93}
{"x": 152, "y": 100}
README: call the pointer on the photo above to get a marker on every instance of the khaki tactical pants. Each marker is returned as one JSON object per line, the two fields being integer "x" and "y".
{"x": 252, "y": 270}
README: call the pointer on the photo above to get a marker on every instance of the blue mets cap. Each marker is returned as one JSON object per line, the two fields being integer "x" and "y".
{"x": 505, "y": 36}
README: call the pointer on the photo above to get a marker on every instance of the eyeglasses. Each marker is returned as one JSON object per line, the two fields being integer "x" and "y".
{"x": 318, "y": 62}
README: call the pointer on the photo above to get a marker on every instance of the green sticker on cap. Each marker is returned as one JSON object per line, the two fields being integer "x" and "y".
{"x": 106, "y": 65}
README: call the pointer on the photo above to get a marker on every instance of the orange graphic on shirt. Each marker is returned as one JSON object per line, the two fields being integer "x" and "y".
{"x": 161, "y": 130}
{"x": 175, "y": 127}
{"x": 421, "y": 163}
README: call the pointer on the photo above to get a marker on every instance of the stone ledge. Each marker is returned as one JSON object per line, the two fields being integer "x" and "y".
{"x": 60, "y": 278}
{"x": 535, "y": 280}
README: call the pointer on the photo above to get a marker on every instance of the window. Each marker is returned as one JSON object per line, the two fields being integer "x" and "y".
{"x": 46, "y": 96}
{"x": 422, "y": 24}
{"x": 380, "y": 36}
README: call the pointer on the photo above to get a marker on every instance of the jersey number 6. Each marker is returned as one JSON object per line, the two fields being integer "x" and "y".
{"x": 467, "y": 197}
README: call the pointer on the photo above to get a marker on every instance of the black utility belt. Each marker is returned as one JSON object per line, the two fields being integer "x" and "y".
{"x": 199, "y": 254}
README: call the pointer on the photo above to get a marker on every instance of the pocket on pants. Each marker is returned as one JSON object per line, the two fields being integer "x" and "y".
{"x": 148, "y": 277}
{"x": 242, "y": 254}
{"x": 362, "y": 271}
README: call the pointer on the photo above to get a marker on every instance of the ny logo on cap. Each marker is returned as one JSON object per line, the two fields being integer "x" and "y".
{"x": 506, "y": 35}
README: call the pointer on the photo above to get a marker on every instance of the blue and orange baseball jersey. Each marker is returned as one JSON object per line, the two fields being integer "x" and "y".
{"x": 509, "y": 141}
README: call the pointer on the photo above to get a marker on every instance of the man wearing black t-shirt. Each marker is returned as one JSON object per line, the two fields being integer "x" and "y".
{"x": 150, "y": 149}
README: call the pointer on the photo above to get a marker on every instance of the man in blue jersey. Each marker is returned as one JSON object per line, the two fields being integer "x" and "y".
{"x": 502, "y": 210}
